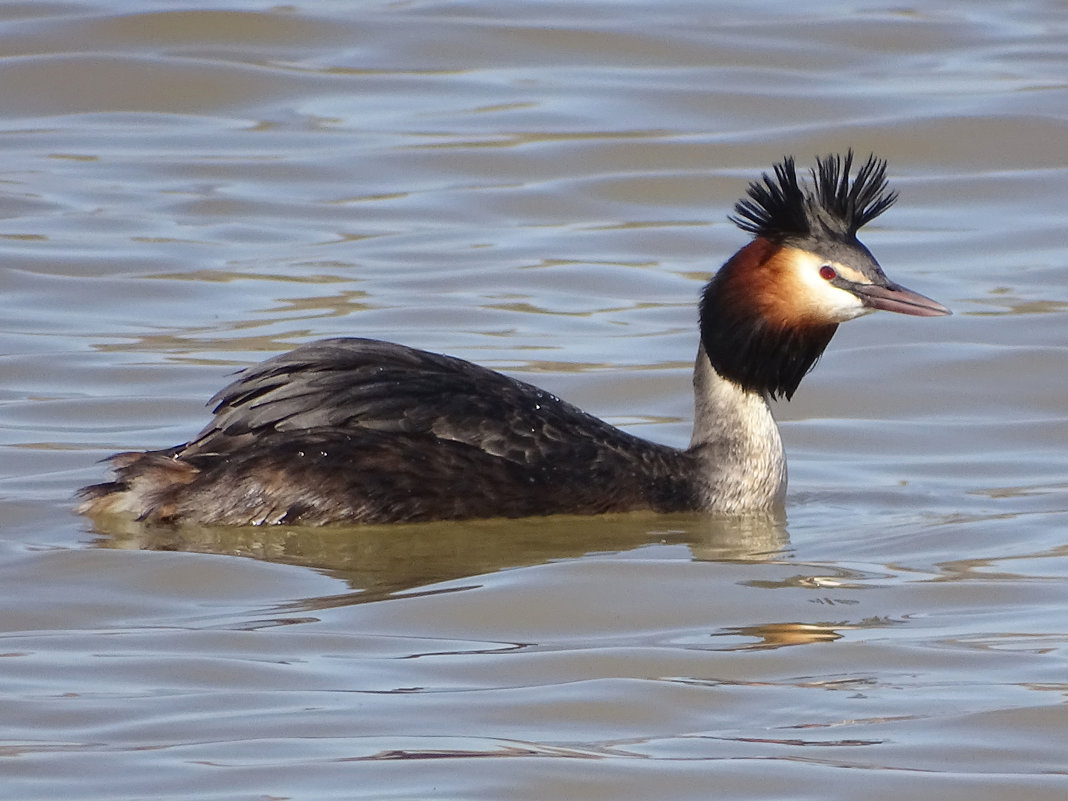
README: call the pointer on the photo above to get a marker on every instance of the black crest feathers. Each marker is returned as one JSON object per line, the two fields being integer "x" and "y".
{"x": 782, "y": 209}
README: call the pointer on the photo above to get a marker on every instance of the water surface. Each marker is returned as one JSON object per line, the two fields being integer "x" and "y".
{"x": 542, "y": 188}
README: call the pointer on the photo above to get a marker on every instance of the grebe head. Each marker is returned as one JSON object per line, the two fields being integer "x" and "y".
{"x": 771, "y": 310}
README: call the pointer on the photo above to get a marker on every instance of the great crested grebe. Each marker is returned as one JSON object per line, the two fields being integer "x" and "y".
{"x": 363, "y": 431}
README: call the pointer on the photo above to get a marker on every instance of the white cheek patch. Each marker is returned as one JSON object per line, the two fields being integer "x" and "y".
{"x": 823, "y": 299}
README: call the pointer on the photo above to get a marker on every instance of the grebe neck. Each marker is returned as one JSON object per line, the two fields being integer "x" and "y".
{"x": 736, "y": 443}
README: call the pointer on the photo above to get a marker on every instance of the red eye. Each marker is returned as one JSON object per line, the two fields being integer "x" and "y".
{"x": 827, "y": 273}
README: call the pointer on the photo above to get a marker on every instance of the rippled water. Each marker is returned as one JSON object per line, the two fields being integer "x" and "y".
{"x": 540, "y": 187}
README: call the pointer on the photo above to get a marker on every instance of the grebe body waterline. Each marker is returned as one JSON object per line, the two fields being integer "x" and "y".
{"x": 358, "y": 430}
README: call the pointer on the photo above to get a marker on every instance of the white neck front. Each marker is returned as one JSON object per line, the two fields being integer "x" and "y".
{"x": 737, "y": 444}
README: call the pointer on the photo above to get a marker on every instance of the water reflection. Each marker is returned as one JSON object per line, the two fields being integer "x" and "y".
{"x": 777, "y": 635}
{"x": 382, "y": 561}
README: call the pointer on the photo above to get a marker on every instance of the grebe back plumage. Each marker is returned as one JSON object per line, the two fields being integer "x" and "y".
{"x": 359, "y": 430}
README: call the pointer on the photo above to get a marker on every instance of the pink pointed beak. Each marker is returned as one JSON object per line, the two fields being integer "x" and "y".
{"x": 896, "y": 298}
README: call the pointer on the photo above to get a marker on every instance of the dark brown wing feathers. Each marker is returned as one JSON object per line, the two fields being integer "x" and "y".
{"x": 362, "y": 430}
